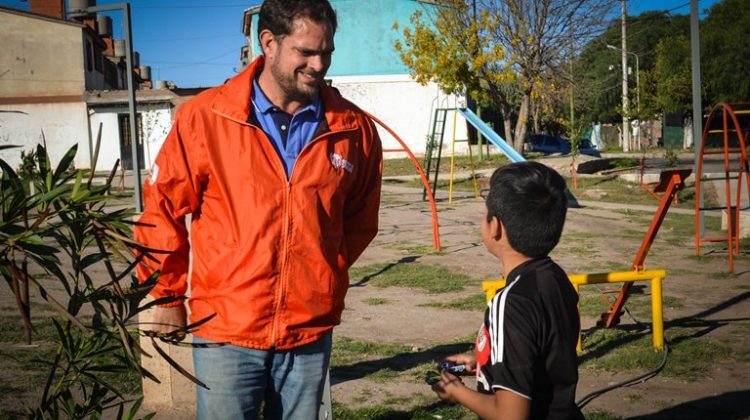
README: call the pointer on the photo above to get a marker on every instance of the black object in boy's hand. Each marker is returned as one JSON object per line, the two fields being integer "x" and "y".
{"x": 432, "y": 377}
{"x": 453, "y": 368}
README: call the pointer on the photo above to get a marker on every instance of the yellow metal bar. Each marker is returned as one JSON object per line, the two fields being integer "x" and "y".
{"x": 616, "y": 276}
{"x": 579, "y": 344}
{"x": 474, "y": 182}
{"x": 657, "y": 316}
{"x": 490, "y": 287}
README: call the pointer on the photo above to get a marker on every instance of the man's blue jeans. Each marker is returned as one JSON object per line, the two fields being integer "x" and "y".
{"x": 240, "y": 380}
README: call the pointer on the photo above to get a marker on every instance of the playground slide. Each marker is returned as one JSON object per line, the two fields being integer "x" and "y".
{"x": 492, "y": 136}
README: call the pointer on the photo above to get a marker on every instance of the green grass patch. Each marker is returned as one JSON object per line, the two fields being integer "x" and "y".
{"x": 624, "y": 162}
{"x": 28, "y": 362}
{"x": 346, "y": 350}
{"x": 430, "y": 278}
{"x": 404, "y": 166}
{"x": 721, "y": 275}
{"x": 600, "y": 415}
{"x": 383, "y": 375}
{"x": 597, "y": 266}
{"x": 638, "y": 303}
{"x": 374, "y": 301}
{"x": 611, "y": 188}
{"x": 476, "y": 302}
{"x": 630, "y": 234}
{"x": 462, "y": 183}
{"x": 689, "y": 358}
{"x": 414, "y": 249}
{"x": 578, "y": 236}
{"x": 384, "y": 412}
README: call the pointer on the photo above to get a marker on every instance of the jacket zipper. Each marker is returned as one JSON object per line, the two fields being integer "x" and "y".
{"x": 287, "y": 222}
{"x": 287, "y": 228}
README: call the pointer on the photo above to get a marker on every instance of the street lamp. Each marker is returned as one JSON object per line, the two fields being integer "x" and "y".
{"x": 125, "y": 8}
{"x": 637, "y": 75}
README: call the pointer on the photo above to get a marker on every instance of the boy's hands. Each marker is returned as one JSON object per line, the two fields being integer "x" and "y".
{"x": 448, "y": 382}
{"x": 447, "y": 387}
{"x": 469, "y": 362}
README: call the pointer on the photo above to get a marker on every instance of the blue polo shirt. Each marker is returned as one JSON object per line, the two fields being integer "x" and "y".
{"x": 289, "y": 134}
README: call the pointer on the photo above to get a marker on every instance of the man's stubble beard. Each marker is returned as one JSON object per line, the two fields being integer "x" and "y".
{"x": 288, "y": 84}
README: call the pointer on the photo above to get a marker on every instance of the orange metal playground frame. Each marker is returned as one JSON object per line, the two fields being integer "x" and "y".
{"x": 729, "y": 123}
{"x": 405, "y": 148}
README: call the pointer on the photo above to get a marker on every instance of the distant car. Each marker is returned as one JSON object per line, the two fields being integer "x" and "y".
{"x": 547, "y": 144}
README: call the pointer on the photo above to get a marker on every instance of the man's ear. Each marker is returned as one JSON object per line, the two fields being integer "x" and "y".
{"x": 496, "y": 228}
{"x": 267, "y": 41}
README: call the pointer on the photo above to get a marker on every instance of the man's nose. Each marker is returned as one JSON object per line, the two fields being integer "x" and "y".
{"x": 317, "y": 63}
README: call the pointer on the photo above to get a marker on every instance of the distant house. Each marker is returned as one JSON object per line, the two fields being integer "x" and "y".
{"x": 60, "y": 78}
{"x": 368, "y": 71}
{"x": 156, "y": 111}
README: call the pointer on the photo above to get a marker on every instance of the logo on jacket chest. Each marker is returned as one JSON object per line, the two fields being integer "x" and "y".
{"x": 339, "y": 162}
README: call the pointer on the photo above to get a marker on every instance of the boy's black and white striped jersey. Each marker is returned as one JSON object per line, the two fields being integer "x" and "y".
{"x": 527, "y": 344}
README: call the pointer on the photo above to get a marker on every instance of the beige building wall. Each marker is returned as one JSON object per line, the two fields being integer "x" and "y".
{"x": 40, "y": 57}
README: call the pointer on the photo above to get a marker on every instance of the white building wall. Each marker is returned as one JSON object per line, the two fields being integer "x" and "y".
{"x": 63, "y": 125}
{"x": 406, "y": 107}
{"x": 157, "y": 120}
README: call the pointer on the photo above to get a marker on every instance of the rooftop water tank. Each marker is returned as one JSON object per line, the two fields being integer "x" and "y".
{"x": 120, "y": 48}
{"x": 104, "y": 24}
{"x": 76, "y": 8}
{"x": 136, "y": 59}
{"x": 145, "y": 72}
{"x": 161, "y": 84}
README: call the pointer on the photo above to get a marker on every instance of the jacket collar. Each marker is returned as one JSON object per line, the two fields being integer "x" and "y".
{"x": 233, "y": 100}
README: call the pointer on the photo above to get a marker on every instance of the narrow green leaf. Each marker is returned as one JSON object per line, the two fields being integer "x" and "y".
{"x": 65, "y": 162}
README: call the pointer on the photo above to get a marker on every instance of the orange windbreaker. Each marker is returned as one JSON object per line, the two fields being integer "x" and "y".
{"x": 270, "y": 255}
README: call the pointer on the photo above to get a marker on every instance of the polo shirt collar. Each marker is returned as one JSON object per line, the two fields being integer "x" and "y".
{"x": 264, "y": 105}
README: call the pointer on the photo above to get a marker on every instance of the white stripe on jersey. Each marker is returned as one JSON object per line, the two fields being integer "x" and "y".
{"x": 497, "y": 312}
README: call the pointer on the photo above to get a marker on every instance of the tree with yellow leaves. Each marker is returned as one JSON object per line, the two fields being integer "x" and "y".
{"x": 500, "y": 51}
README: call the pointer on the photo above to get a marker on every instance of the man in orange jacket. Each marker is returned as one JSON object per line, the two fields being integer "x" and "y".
{"x": 281, "y": 176}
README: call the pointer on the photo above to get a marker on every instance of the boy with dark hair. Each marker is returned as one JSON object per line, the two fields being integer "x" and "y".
{"x": 525, "y": 360}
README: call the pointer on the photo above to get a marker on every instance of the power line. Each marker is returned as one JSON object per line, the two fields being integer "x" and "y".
{"x": 188, "y": 38}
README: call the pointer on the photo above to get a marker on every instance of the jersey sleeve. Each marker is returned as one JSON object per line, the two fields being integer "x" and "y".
{"x": 514, "y": 341}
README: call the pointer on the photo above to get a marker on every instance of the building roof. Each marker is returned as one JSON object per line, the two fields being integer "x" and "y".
{"x": 40, "y": 17}
{"x": 120, "y": 97}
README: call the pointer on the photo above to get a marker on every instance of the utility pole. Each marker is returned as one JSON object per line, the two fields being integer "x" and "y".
{"x": 479, "y": 107}
{"x": 695, "y": 59}
{"x": 572, "y": 103}
{"x": 625, "y": 104}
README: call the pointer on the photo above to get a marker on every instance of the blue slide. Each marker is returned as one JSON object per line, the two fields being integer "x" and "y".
{"x": 492, "y": 136}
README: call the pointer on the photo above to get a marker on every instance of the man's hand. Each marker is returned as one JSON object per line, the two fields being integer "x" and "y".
{"x": 169, "y": 319}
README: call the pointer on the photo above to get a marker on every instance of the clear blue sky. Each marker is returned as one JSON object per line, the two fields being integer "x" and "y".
{"x": 197, "y": 42}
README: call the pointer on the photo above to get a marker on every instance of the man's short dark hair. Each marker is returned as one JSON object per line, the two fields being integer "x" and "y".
{"x": 529, "y": 198}
{"x": 278, "y": 15}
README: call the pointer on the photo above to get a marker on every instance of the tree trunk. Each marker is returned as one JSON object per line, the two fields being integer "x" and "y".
{"x": 523, "y": 116}
{"x": 536, "y": 108}
{"x": 507, "y": 127}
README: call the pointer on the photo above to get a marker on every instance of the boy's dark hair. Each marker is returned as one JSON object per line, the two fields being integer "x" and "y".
{"x": 278, "y": 15}
{"x": 529, "y": 198}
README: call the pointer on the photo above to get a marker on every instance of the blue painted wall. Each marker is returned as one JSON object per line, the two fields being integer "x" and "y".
{"x": 365, "y": 37}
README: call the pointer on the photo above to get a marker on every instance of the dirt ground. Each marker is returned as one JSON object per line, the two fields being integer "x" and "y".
{"x": 598, "y": 237}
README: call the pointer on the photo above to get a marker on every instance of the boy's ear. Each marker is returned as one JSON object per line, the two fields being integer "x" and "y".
{"x": 496, "y": 228}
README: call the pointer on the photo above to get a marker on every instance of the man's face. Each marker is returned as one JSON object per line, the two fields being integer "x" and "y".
{"x": 300, "y": 60}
